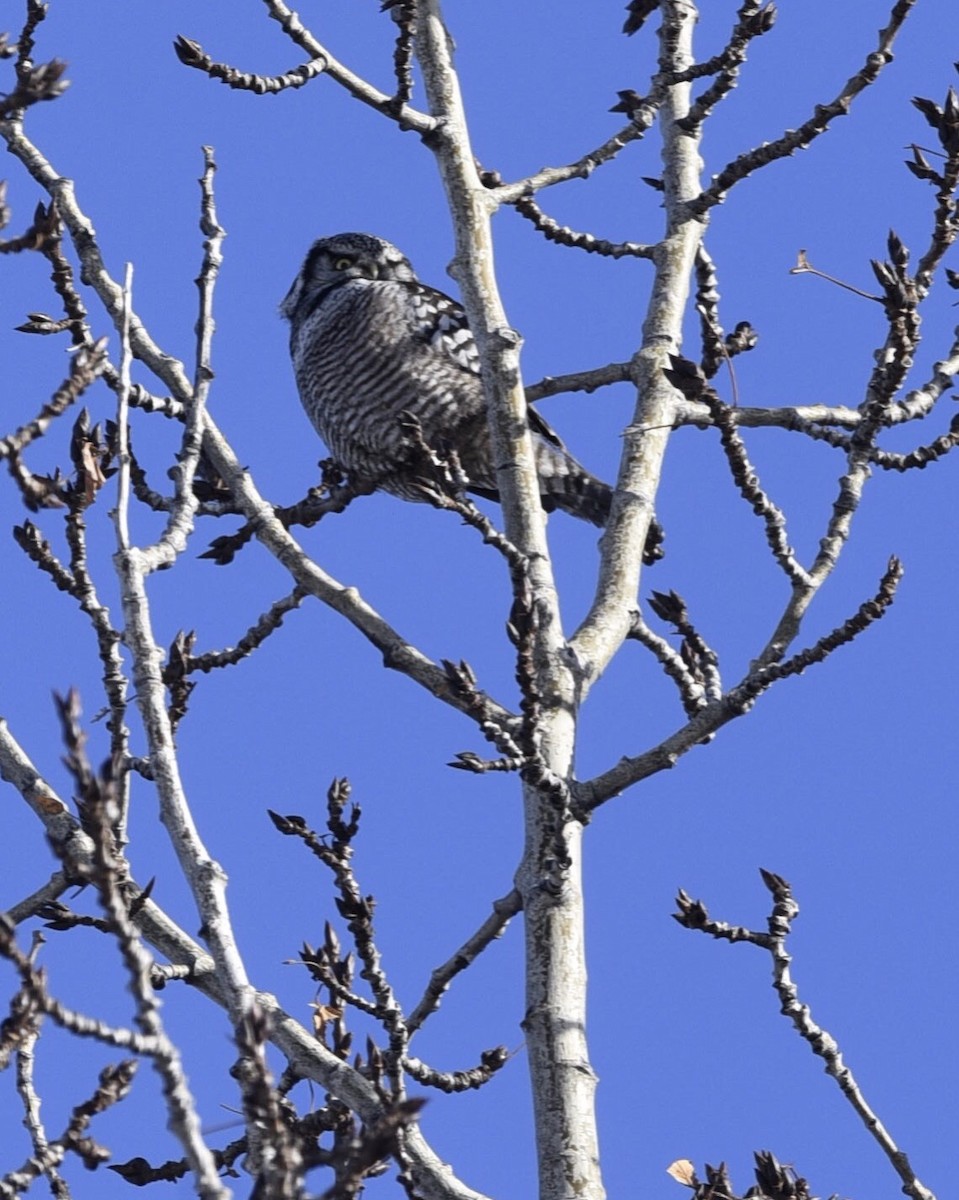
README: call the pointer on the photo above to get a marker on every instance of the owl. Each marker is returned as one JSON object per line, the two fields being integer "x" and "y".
{"x": 372, "y": 347}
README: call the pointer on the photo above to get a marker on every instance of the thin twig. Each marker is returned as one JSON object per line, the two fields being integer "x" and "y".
{"x": 34, "y": 983}
{"x": 801, "y": 137}
{"x": 692, "y": 692}
{"x": 804, "y": 267}
{"x": 254, "y": 637}
{"x": 753, "y": 20}
{"x": 31, "y": 1109}
{"x": 693, "y": 914}
{"x": 643, "y": 115}
{"x": 180, "y": 523}
{"x": 747, "y": 481}
{"x": 945, "y": 230}
{"x": 452, "y": 1082}
{"x": 108, "y": 872}
{"x": 113, "y": 1086}
{"x": 735, "y": 703}
{"x": 492, "y": 928}
{"x": 86, "y": 366}
{"x": 357, "y": 910}
{"x": 115, "y": 682}
{"x": 403, "y": 13}
{"x": 406, "y": 117}
{"x": 192, "y": 54}
{"x": 333, "y": 495}
{"x": 563, "y": 235}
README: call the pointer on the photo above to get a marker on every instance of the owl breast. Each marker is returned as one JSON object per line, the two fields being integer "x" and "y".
{"x": 362, "y": 361}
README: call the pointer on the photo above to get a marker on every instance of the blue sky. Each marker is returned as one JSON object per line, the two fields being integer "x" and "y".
{"x": 843, "y": 781}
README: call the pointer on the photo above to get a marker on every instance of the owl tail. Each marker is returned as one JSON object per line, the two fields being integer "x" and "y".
{"x": 566, "y": 484}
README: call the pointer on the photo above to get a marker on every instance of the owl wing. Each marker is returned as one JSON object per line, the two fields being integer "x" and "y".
{"x": 538, "y": 425}
{"x": 441, "y": 322}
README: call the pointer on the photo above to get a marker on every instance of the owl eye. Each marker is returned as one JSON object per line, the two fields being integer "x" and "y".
{"x": 342, "y": 264}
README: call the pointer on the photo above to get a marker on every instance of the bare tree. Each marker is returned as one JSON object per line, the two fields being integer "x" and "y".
{"x": 366, "y": 1119}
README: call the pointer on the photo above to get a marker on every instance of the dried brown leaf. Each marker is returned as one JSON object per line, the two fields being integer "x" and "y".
{"x": 683, "y": 1171}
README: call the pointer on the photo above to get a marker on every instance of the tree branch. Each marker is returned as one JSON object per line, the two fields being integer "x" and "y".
{"x": 608, "y": 622}
{"x": 693, "y": 915}
{"x": 800, "y": 138}
{"x": 549, "y": 876}
{"x": 734, "y": 703}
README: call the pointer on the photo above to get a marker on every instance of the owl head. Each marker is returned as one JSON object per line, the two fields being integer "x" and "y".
{"x": 333, "y": 261}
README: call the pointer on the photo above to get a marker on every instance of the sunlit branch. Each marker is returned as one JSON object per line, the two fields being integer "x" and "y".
{"x": 107, "y": 873}
{"x": 644, "y": 445}
{"x": 28, "y": 1093}
{"x": 578, "y": 381}
{"x": 691, "y": 690}
{"x": 49, "y": 893}
{"x": 292, "y": 26}
{"x": 549, "y": 875}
